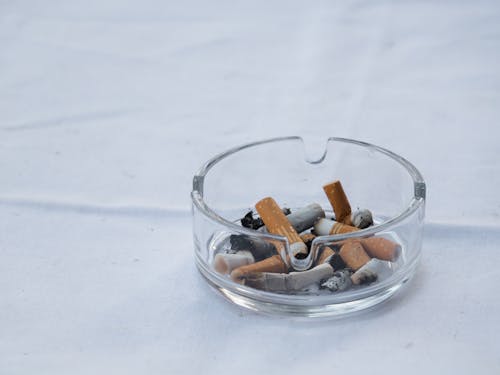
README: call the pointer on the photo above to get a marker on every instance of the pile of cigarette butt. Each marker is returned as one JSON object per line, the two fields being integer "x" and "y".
{"x": 341, "y": 265}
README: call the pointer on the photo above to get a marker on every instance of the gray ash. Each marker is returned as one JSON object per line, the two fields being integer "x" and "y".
{"x": 249, "y": 221}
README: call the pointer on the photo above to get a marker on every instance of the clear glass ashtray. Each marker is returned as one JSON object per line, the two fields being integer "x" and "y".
{"x": 335, "y": 271}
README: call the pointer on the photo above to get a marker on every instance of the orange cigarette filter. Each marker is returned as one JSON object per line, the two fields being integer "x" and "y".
{"x": 354, "y": 255}
{"x": 277, "y": 223}
{"x": 342, "y": 228}
{"x": 272, "y": 264}
{"x": 340, "y": 204}
{"x": 307, "y": 237}
{"x": 381, "y": 248}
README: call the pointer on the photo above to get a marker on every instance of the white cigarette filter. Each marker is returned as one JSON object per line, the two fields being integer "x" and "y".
{"x": 293, "y": 281}
{"x": 225, "y": 263}
{"x": 305, "y": 217}
{"x": 326, "y": 227}
{"x": 369, "y": 273}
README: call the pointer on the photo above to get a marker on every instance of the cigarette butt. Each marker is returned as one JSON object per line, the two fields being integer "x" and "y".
{"x": 277, "y": 223}
{"x": 272, "y": 282}
{"x": 381, "y": 248}
{"x": 368, "y": 273}
{"x": 259, "y": 248}
{"x": 325, "y": 227}
{"x": 325, "y": 254}
{"x": 307, "y": 238}
{"x": 362, "y": 219}
{"x": 340, "y": 280}
{"x": 336, "y": 262}
{"x": 294, "y": 281}
{"x": 305, "y": 217}
{"x": 354, "y": 255}
{"x": 248, "y": 221}
{"x": 272, "y": 264}
{"x": 225, "y": 263}
{"x": 342, "y": 228}
{"x": 300, "y": 280}
{"x": 339, "y": 201}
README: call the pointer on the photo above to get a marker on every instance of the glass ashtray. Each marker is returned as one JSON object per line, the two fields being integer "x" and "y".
{"x": 228, "y": 186}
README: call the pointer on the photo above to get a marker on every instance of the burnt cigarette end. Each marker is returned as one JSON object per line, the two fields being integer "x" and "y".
{"x": 369, "y": 272}
{"x": 367, "y": 278}
{"x": 362, "y": 219}
{"x": 272, "y": 282}
{"x": 336, "y": 246}
{"x": 259, "y": 248}
{"x": 255, "y": 280}
{"x": 248, "y": 221}
{"x": 364, "y": 276}
{"x": 337, "y": 262}
{"x": 240, "y": 242}
{"x": 305, "y": 217}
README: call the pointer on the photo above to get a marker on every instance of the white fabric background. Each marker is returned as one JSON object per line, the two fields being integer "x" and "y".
{"x": 108, "y": 108}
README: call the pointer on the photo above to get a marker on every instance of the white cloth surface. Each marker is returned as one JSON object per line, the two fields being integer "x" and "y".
{"x": 109, "y": 107}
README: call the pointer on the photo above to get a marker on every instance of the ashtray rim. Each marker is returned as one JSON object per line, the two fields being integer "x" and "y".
{"x": 417, "y": 200}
